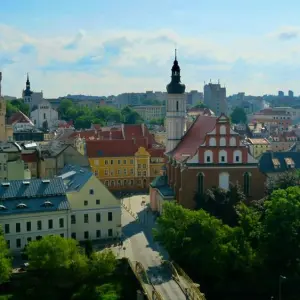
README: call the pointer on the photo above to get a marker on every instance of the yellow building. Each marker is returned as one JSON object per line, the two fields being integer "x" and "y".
{"x": 258, "y": 146}
{"x": 124, "y": 164}
{"x": 94, "y": 212}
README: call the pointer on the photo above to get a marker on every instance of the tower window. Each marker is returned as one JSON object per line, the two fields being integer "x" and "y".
{"x": 177, "y": 106}
{"x": 247, "y": 183}
{"x": 44, "y": 116}
{"x": 200, "y": 183}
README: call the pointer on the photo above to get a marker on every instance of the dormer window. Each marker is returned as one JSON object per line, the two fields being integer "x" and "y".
{"x": 47, "y": 204}
{"x": 21, "y": 205}
{"x": 2, "y": 207}
{"x": 289, "y": 163}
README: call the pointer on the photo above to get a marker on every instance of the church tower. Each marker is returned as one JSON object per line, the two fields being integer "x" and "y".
{"x": 27, "y": 93}
{"x": 2, "y": 114}
{"x": 175, "y": 108}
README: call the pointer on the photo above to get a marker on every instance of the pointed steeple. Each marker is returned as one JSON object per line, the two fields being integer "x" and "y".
{"x": 27, "y": 91}
{"x": 175, "y": 86}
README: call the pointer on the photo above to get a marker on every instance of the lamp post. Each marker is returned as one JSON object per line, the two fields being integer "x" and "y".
{"x": 281, "y": 279}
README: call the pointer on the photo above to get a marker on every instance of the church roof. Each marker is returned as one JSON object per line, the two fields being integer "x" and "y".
{"x": 193, "y": 138}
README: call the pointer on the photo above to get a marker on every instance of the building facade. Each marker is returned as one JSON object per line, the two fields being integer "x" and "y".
{"x": 32, "y": 209}
{"x": 151, "y": 112}
{"x": 95, "y": 212}
{"x": 215, "y": 98}
{"x": 258, "y": 146}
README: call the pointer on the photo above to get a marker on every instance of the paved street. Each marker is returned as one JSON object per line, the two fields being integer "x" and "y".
{"x": 140, "y": 247}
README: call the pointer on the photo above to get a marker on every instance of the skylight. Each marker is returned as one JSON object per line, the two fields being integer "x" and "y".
{"x": 2, "y": 207}
{"x": 5, "y": 183}
{"x": 26, "y": 182}
{"x": 46, "y": 180}
{"x": 47, "y": 203}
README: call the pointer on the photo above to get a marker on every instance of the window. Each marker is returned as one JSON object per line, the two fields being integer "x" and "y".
{"x": 98, "y": 217}
{"x": 6, "y": 228}
{"x": 208, "y": 155}
{"x": 139, "y": 173}
{"x": 61, "y": 222}
{"x": 247, "y": 183}
{"x": 132, "y": 171}
{"x": 91, "y": 192}
{"x": 237, "y": 156}
{"x": 97, "y": 202}
{"x": 224, "y": 181}
{"x": 39, "y": 225}
{"x": 28, "y": 226}
{"x": 112, "y": 183}
{"x": 212, "y": 141}
{"x": 98, "y": 234}
{"x": 85, "y": 202}
{"x": 50, "y": 224}
{"x": 144, "y": 166}
{"x": 96, "y": 162}
{"x": 73, "y": 235}
{"x": 106, "y": 172}
{"x": 96, "y": 173}
{"x": 106, "y": 162}
{"x": 222, "y": 141}
{"x": 62, "y": 235}
{"x": 106, "y": 182}
{"x": 110, "y": 232}
{"x": 18, "y": 243}
{"x": 29, "y": 239}
{"x": 86, "y": 235}
{"x": 119, "y": 182}
{"x": 222, "y": 129}
{"x": 124, "y": 162}
{"x": 200, "y": 183}
{"x": 44, "y": 116}
{"x": 119, "y": 161}
{"x": 111, "y": 162}
{"x": 144, "y": 173}
{"x": 73, "y": 219}
{"x": 232, "y": 141}
{"x": 222, "y": 156}
{"x": 131, "y": 182}
{"x": 119, "y": 172}
{"x": 125, "y": 171}
{"x": 110, "y": 216}
{"x": 86, "y": 218}
{"x": 125, "y": 182}
{"x": 177, "y": 106}
{"x": 131, "y": 162}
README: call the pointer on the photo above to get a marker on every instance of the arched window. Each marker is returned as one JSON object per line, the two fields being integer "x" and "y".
{"x": 222, "y": 141}
{"x": 224, "y": 181}
{"x": 222, "y": 129}
{"x": 237, "y": 156}
{"x": 222, "y": 156}
{"x": 200, "y": 183}
{"x": 208, "y": 156}
{"x": 232, "y": 141}
{"x": 212, "y": 141}
{"x": 112, "y": 183}
{"x": 177, "y": 106}
{"x": 247, "y": 183}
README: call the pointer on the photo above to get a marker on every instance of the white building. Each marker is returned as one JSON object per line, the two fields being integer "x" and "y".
{"x": 20, "y": 122}
{"x": 44, "y": 116}
{"x": 31, "y": 209}
{"x": 95, "y": 212}
{"x": 175, "y": 109}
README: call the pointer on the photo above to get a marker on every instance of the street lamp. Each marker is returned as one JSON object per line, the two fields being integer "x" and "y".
{"x": 281, "y": 279}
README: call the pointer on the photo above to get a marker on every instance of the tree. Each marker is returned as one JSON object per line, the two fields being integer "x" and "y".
{"x": 157, "y": 121}
{"x": 283, "y": 181}
{"x": 238, "y": 116}
{"x": 199, "y": 104}
{"x": 5, "y": 260}
{"x": 64, "y": 106}
{"x": 16, "y": 105}
{"x": 130, "y": 116}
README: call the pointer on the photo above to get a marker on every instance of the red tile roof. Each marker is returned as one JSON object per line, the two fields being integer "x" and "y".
{"x": 131, "y": 131}
{"x": 159, "y": 152}
{"x": 19, "y": 117}
{"x": 194, "y": 137}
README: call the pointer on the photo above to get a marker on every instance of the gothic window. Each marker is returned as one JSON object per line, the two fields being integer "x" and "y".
{"x": 237, "y": 156}
{"x": 200, "y": 183}
{"x": 232, "y": 141}
{"x": 224, "y": 181}
{"x": 177, "y": 106}
{"x": 222, "y": 156}
{"x": 208, "y": 156}
{"x": 212, "y": 141}
{"x": 247, "y": 183}
{"x": 222, "y": 141}
{"x": 222, "y": 129}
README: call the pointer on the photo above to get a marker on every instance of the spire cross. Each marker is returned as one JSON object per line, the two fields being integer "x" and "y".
{"x": 175, "y": 54}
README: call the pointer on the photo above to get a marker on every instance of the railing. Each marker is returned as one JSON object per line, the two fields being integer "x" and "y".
{"x": 193, "y": 291}
{"x": 142, "y": 276}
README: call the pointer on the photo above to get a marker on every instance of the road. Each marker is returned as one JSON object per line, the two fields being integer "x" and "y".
{"x": 141, "y": 247}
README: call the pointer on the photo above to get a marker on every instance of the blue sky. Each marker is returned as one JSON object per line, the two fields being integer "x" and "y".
{"x": 108, "y": 47}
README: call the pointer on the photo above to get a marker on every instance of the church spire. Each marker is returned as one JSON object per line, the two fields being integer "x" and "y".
{"x": 0, "y": 83}
{"x": 175, "y": 86}
{"x": 27, "y": 91}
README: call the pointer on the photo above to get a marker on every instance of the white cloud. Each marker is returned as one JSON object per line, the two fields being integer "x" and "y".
{"x": 143, "y": 52}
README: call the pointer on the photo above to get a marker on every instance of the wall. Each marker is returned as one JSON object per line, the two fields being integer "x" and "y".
{"x": 108, "y": 203}
{"x": 12, "y": 236}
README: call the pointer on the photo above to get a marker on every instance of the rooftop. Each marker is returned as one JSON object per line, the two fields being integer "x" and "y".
{"x": 254, "y": 141}
{"x": 75, "y": 177}
{"x": 271, "y": 162}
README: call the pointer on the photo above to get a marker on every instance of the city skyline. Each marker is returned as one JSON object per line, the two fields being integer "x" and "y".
{"x": 93, "y": 48}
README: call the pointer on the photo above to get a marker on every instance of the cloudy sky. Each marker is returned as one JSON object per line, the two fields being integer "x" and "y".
{"x": 100, "y": 47}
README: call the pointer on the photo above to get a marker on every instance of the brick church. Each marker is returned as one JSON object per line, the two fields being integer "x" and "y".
{"x": 209, "y": 154}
